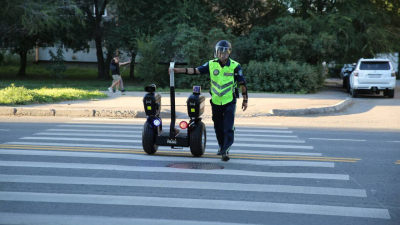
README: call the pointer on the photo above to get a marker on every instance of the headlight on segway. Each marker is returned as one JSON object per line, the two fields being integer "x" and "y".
{"x": 156, "y": 122}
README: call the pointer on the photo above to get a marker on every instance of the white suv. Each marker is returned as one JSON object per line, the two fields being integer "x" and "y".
{"x": 373, "y": 76}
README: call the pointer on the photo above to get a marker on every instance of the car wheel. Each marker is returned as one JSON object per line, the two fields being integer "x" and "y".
{"x": 391, "y": 94}
{"x": 197, "y": 139}
{"x": 149, "y": 139}
{"x": 354, "y": 93}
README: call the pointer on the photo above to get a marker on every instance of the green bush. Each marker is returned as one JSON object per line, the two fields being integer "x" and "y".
{"x": 289, "y": 77}
{"x": 9, "y": 59}
{"x": 20, "y": 95}
{"x": 57, "y": 67}
{"x": 147, "y": 68}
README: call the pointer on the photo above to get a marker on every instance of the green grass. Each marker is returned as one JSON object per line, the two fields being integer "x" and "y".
{"x": 76, "y": 77}
{"x": 13, "y": 95}
{"x": 35, "y": 70}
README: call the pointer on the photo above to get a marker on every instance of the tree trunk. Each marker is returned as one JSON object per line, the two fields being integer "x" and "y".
{"x": 100, "y": 58}
{"x": 304, "y": 8}
{"x": 320, "y": 6}
{"x": 132, "y": 69}
{"x": 22, "y": 69}
{"x": 110, "y": 54}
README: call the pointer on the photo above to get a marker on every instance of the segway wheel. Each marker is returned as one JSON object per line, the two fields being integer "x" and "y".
{"x": 149, "y": 139}
{"x": 197, "y": 139}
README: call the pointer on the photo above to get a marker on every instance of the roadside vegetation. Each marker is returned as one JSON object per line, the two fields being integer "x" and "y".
{"x": 281, "y": 45}
{"x": 13, "y": 95}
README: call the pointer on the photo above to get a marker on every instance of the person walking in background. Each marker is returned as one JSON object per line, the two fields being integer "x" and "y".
{"x": 225, "y": 74}
{"x": 115, "y": 72}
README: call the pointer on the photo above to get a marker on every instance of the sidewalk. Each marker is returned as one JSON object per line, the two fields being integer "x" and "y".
{"x": 130, "y": 105}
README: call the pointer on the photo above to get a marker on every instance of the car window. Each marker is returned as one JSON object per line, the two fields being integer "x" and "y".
{"x": 374, "y": 66}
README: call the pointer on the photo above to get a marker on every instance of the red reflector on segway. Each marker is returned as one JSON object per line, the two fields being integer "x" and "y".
{"x": 183, "y": 125}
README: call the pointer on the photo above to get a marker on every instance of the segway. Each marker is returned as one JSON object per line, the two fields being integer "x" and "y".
{"x": 192, "y": 134}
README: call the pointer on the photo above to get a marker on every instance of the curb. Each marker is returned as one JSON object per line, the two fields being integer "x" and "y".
{"x": 328, "y": 109}
{"x": 12, "y": 111}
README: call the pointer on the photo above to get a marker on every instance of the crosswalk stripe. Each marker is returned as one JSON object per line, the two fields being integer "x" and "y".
{"x": 163, "y": 158}
{"x": 139, "y": 132}
{"x": 43, "y": 219}
{"x": 239, "y": 151}
{"x": 167, "y": 120}
{"x": 209, "y": 137}
{"x": 185, "y": 185}
{"x": 164, "y": 148}
{"x": 197, "y": 204}
{"x": 173, "y": 170}
{"x": 141, "y": 126}
{"x": 140, "y": 141}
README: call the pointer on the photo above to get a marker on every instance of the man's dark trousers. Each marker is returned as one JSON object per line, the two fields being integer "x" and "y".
{"x": 224, "y": 118}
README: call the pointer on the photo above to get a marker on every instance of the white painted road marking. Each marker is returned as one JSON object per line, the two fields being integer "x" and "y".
{"x": 165, "y": 121}
{"x": 141, "y": 126}
{"x": 211, "y": 138}
{"x": 163, "y": 158}
{"x": 185, "y": 185}
{"x": 40, "y": 219}
{"x": 225, "y": 172}
{"x": 197, "y": 204}
{"x": 328, "y": 139}
{"x": 139, "y": 132}
{"x": 162, "y": 148}
{"x": 140, "y": 141}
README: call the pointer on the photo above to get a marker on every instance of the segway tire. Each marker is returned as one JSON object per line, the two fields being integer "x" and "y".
{"x": 149, "y": 139}
{"x": 198, "y": 139}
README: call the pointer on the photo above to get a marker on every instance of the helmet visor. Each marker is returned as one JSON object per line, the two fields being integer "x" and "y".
{"x": 223, "y": 49}
{"x": 222, "y": 52}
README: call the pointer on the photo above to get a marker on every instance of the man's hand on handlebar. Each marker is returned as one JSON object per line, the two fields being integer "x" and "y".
{"x": 175, "y": 70}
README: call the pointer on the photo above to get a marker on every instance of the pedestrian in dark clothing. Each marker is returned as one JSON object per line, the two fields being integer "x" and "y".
{"x": 117, "y": 79}
{"x": 225, "y": 74}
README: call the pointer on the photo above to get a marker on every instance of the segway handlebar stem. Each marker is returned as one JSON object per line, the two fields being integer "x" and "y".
{"x": 172, "y": 132}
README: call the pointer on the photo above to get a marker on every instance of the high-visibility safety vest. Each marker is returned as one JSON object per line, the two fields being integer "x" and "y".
{"x": 223, "y": 82}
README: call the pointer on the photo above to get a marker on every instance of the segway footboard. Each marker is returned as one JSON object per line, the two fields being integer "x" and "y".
{"x": 179, "y": 140}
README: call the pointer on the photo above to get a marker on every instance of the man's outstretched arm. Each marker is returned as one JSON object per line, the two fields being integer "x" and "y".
{"x": 190, "y": 71}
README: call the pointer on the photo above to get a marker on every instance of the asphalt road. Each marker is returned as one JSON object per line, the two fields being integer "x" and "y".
{"x": 282, "y": 171}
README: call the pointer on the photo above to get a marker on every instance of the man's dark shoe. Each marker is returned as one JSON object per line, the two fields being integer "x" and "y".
{"x": 123, "y": 90}
{"x": 225, "y": 157}
{"x": 219, "y": 152}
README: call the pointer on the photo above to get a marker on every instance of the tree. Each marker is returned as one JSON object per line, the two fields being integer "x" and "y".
{"x": 240, "y": 16}
{"x": 27, "y": 23}
{"x": 139, "y": 20}
{"x": 100, "y": 30}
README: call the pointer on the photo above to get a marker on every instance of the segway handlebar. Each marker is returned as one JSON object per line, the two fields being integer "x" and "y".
{"x": 177, "y": 63}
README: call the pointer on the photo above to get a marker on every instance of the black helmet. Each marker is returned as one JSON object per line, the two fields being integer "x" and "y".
{"x": 223, "y": 50}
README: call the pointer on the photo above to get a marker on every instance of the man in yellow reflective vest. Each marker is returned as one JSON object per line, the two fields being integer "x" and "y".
{"x": 225, "y": 74}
